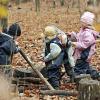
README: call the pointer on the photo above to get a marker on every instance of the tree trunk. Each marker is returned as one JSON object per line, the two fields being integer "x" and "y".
{"x": 54, "y": 4}
{"x": 62, "y": 2}
{"x": 37, "y": 5}
{"x": 4, "y": 23}
{"x": 89, "y": 90}
{"x": 18, "y": 2}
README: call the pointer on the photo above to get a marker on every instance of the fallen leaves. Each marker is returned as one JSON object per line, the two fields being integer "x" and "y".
{"x": 31, "y": 40}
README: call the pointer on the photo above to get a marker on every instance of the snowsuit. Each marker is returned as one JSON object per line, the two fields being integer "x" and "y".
{"x": 85, "y": 49}
{"x": 56, "y": 55}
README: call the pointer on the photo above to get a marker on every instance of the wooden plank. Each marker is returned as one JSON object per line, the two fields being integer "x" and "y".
{"x": 59, "y": 92}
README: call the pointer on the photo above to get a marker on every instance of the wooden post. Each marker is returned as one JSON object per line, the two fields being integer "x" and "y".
{"x": 89, "y": 90}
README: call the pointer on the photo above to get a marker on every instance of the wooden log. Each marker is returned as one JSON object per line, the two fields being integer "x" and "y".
{"x": 89, "y": 90}
{"x": 21, "y": 72}
{"x": 59, "y": 92}
{"x": 35, "y": 70}
{"x": 26, "y": 79}
{"x": 29, "y": 78}
{"x": 82, "y": 76}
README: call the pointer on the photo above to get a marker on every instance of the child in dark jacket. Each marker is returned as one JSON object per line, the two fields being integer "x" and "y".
{"x": 56, "y": 54}
{"x": 8, "y": 47}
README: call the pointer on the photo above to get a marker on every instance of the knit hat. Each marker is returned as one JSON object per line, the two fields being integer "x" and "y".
{"x": 14, "y": 30}
{"x": 50, "y": 32}
{"x": 88, "y": 18}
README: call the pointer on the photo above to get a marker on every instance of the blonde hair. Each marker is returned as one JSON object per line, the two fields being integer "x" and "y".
{"x": 50, "y": 32}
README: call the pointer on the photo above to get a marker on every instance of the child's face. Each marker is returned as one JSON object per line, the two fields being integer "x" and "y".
{"x": 83, "y": 25}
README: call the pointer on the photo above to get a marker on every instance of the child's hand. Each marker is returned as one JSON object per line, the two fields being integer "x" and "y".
{"x": 74, "y": 44}
{"x": 16, "y": 43}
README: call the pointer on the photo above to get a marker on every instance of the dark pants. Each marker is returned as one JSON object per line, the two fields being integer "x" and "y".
{"x": 83, "y": 67}
{"x": 69, "y": 70}
{"x": 54, "y": 77}
{"x": 54, "y": 71}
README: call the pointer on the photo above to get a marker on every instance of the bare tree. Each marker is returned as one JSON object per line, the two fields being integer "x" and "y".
{"x": 62, "y": 2}
{"x": 37, "y": 5}
{"x": 54, "y": 3}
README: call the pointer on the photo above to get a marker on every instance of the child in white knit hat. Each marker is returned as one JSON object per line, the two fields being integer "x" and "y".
{"x": 85, "y": 45}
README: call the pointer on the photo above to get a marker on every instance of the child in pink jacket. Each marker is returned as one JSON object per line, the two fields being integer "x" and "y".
{"x": 85, "y": 46}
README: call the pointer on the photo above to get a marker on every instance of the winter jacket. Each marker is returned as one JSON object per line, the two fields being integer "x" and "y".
{"x": 7, "y": 49}
{"x": 55, "y": 50}
{"x": 86, "y": 41}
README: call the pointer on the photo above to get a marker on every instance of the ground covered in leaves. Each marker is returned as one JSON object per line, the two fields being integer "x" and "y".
{"x": 33, "y": 24}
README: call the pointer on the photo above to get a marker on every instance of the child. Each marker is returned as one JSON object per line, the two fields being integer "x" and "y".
{"x": 8, "y": 47}
{"x": 54, "y": 54}
{"x": 85, "y": 45}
